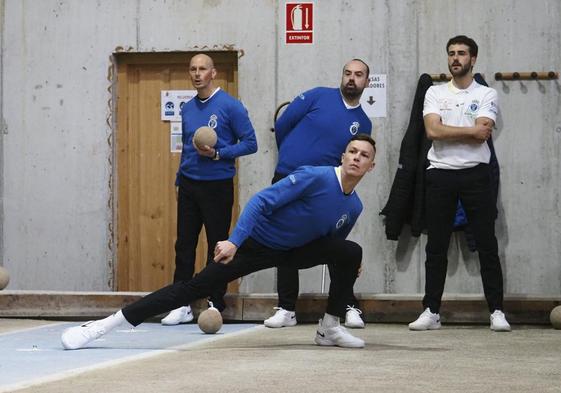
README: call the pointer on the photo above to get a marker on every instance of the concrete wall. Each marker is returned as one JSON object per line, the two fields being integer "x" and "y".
{"x": 1, "y": 133}
{"x": 56, "y": 171}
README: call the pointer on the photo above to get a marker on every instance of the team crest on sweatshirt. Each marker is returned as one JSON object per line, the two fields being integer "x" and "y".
{"x": 344, "y": 219}
{"x": 353, "y": 129}
{"x": 213, "y": 121}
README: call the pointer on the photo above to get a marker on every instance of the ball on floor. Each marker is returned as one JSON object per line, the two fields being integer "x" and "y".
{"x": 4, "y": 278}
{"x": 555, "y": 317}
{"x": 210, "y": 320}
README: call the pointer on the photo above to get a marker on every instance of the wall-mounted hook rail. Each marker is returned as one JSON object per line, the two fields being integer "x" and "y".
{"x": 534, "y": 75}
{"x": 440, "y": 77}
{"x": 444, "y": 77}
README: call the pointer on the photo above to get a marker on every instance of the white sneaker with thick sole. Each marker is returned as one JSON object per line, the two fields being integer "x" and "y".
{"x": 426, "y": 321}
{"x": 177, "y": 316}
{"x": 337, "y": 336}
{"x": 499, "y": 322}
{"x": 79, "y": 336}
{"x": 282, "y": 318}
{"x": 353, "y": 319}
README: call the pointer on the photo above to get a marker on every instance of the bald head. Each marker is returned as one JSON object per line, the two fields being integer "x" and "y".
{"x": 202, "y": 73}
{"x": 201, "y": 58}
{"x": 357, "y": 63}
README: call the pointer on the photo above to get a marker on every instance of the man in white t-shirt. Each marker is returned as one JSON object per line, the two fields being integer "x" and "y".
{"x": 459, "y": 117}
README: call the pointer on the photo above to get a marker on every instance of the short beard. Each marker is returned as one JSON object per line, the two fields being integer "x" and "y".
{"x": 351, "y": 93}
{"x": 462, "y": 72}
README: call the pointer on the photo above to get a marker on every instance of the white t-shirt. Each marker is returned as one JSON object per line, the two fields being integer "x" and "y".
{"x": 460, "y": 108}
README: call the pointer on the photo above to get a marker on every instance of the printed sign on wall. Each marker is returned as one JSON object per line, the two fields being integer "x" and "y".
{"x": 373, "y": 99}
{"x": 299, "y": 23}
{"x": 172, "y": 101}
{"x": 176, "y": 143}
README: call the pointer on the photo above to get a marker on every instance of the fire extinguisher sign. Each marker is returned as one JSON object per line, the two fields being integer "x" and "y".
{"x": 299, "y": 23}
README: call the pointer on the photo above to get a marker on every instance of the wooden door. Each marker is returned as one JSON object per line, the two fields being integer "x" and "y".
{"x": 146, "y": 169}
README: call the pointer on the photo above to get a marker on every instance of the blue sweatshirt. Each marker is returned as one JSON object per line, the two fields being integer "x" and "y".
{"x": 315, "y": 129}
{"x": 304, "y": 206}
{"x": 236, "y": 136}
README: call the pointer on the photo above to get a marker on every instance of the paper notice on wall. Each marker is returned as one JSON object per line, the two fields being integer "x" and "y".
{"x": 176, "y": 144}
{"x": 172, "y": 101}
{"x": 373, "y": 99}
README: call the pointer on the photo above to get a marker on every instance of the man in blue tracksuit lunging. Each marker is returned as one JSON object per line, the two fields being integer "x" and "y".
{"x": 301, "y": 221}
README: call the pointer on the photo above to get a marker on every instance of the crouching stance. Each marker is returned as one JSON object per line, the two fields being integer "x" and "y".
{"x": 301, "y": 221}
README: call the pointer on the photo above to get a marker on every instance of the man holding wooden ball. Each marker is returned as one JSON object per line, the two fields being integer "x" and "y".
{"x": 215, "y": 131}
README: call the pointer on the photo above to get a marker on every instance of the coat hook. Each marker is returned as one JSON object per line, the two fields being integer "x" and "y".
{"x": 534, "y": 75}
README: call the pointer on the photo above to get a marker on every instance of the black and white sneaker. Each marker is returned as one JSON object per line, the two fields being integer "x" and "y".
{"x": 337, "y": 336}
{"x": 426, "y": 321}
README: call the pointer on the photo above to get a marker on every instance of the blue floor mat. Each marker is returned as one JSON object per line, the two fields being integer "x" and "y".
{"x": 36, "y": 354}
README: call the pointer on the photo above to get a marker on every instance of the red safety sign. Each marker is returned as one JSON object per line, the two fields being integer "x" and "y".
{"x": 299, "y": 23}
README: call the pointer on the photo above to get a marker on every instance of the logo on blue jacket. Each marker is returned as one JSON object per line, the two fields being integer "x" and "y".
{"x": 354, "y": 127}
{"x": 213, "y": 122}
{"x": 344, "y": 218}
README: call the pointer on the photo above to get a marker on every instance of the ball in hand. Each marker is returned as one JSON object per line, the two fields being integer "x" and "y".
{"x": 205, "y": 136}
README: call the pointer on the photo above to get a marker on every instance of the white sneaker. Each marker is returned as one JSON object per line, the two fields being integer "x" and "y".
{"x": 79, "y": 336}
{"x": 337, "y": 336}
{"x": 281, "y": 318}
{"x": 177, "y": 316}
{"x": 499, "y": 322}
{"x": 353, "y": 319}
{"x": 426, "y": 321}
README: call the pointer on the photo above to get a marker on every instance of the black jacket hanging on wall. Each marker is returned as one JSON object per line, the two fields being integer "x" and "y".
{"x": 406, "y": 200}
{"x": 406, "y": 203}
